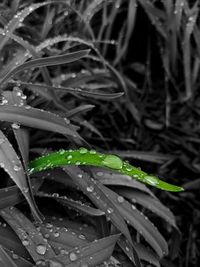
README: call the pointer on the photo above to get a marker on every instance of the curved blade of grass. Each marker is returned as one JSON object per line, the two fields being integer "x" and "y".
{"x": 118, "y": 179}
{"x": 76, "y": 205}
{"x": 37, "y": 246}
{"x": 147, "y": 255}
{"x": 143, "y": 253}
{"x": 149, "y": 202}
{"x": 21, "y": 134}
{"x": 13, "y": 166}
{"x": 78, "y": 110}
{"x": 132, "y": 10}
{"x": 155, "y": 15}
{"x": 91, "y": 254}
{"x": 187, "y": 55}
{"x": 75, "y": 91}
{"x": 48, "y": 61}
{"x": 85, "y": 157}
{"x": 141, "y": 223}
{"x": 37, "y": 118}
{"x": 18, "y": 19}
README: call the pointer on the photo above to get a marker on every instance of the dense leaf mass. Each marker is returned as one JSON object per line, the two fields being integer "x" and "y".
{"x": 89, "y": 91}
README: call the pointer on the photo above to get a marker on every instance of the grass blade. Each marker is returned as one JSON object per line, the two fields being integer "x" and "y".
{"x": 30, "y": 237}
{"x": 91, "y": 254}
{"x": 48, "y": 61}
{"x": 13, "y": 166}
{"x": 5, "y": 259}
{"x": 37, "y": 118}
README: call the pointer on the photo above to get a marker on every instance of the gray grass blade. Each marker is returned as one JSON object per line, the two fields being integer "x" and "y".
{"x": 37, "y": 118}
{"x": 5, "y": 259}
{"x": 31, "y": 238}
{"x": 13, "y": 166}
{"x": 48, "y": 61}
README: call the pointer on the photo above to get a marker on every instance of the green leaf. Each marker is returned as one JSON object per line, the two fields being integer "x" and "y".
{"x": 92, "y": 158}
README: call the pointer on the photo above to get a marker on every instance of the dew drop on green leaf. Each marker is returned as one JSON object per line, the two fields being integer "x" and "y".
{"x": 92, "y": 151}
{"x": 113, "y": 162}
{"x": 83, "y": 150}
{"x": 152, "y": 180}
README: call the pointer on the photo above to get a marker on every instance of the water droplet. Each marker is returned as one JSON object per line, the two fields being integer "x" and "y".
{"x": 120, "y": 199}
{"x": 25, "y": 189}
{"x": 49, "y": 225}
{"x": 90, "y": 188}
{"x": 15, "y": 126}
{"x": 17, "y": 168}
{"x": 127, "y": 249}
{"x": 41, "y": 262}
{"x": 73, "y": 256}
{"x": 53, "y": 263}
{"x": 25, "y": 242}
{"x": 69, "y": 157}
{"x": 41, "y": 249}
{"x": 112, "y": 162}
{"x": 81, "y": 237}
{"x": 4, "y": 101}
{"x": 109, "y": 210}
{"x": 2, "y": 165}
{"x": 15, "y": 256}
{"x": 55, "y": 195}
{"x": 129, "y": 168}
{"x": 56, "y": 234}
{"x": 92, "y": 151}
{"x": 133, "y": 207}
{"x": 2, "y": 140}
{"x": 80, "y": 175}
{"x": 99, "y": 174}
{"x": 83, "y": 150}
{"x": 152, "y": 180}
{"x": 62, "y": 151}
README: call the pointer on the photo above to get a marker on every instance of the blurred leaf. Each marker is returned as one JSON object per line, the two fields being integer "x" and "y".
{"x": 5, "y": 259}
